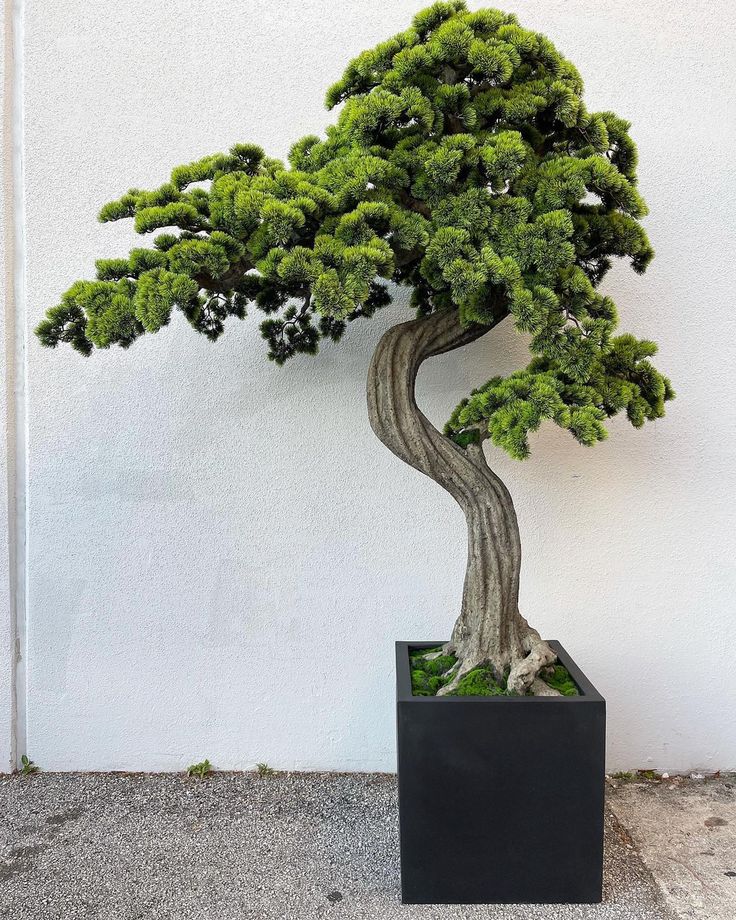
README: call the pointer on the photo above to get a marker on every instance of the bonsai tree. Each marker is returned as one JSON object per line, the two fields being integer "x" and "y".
{"x": 464, "y": 165}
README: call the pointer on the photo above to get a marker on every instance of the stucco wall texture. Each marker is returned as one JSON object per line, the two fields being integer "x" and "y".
{"x": 220, "y": 554}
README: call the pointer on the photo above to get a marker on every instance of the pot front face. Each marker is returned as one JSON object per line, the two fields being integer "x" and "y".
{"x": 500, "y": 798}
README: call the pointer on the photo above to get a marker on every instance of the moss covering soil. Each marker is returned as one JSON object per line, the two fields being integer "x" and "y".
{"x": 428, "y": 676}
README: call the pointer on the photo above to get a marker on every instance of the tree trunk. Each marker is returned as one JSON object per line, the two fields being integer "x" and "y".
{"x": 490, "y": 630}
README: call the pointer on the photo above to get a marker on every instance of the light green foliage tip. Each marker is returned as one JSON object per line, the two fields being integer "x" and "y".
{"x": 463, "y": 164}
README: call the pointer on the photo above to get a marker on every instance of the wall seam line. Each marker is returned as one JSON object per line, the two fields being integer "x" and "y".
{"x": 16, "y": 379}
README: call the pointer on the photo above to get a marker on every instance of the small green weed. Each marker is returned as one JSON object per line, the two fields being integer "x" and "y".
{"x": 200, "y": 770}
{"x": 27, "y": 766}
{"x": 650, "y": 775}
{"x": 263, "y": 769}
{"x": 634, "y": 776}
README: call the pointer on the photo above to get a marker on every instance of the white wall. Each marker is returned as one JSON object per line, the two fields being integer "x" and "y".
{"x": 221, "y": 554}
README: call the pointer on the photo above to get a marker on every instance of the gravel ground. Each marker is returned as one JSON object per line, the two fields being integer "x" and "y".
{"x": 301, "y": 846}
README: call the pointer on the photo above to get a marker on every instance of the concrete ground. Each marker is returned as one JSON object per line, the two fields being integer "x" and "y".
{"x": 302, "y": 846}
{"x": 685, "y": 832}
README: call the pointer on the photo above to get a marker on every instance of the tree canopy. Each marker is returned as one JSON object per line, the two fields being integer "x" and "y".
{"x": 463, "y": 164}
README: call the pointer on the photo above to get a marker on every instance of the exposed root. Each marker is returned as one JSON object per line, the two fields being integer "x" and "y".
{"x": 531, "y": 657}
{"x": 538, "y": 658}
{"x": 539, "y": 688}
{"x": 523, "y": 673}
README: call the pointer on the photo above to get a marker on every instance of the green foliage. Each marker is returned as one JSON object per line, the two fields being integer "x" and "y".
{"x": 431, "y": 669}
{"x": 263, "y": 769}
{"x": 200, "y": 770}
{"x": 27, "y": 766}
{"x": 465, "y": 165}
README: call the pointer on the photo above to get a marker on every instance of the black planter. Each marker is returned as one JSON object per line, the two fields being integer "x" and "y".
{"x": 500, "y": 798}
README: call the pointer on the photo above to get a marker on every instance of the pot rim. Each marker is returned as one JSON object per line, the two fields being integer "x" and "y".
{"x": 587, "y": 692}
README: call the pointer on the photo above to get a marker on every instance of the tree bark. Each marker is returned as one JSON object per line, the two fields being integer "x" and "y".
{"x": 490, "y": 630}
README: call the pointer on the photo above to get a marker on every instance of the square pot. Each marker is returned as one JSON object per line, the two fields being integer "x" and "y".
{"x": 500, "y": 798}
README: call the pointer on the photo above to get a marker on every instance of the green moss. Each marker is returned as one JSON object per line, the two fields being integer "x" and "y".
{"x": 561, "y": 681}
{"x": 429, "y": 675}
{"x": 479, "y": 682}
{"x": 423, "y": 652}
{"x": 440, "y": 665}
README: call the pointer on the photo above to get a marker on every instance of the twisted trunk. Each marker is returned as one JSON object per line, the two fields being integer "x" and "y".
{"x": 490, "y": 630}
